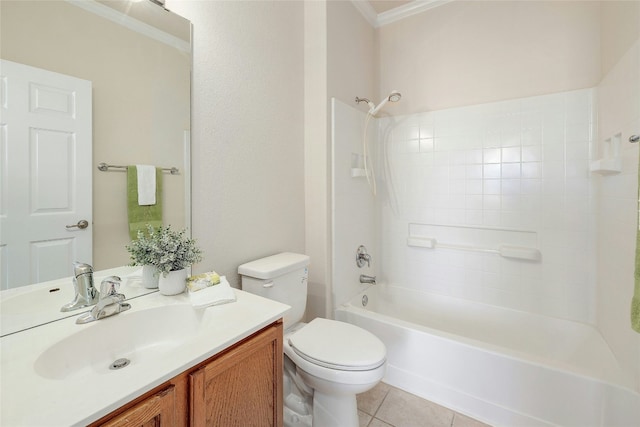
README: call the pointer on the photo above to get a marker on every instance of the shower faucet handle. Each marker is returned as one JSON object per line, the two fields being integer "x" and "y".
{"x": 362, "y": 257}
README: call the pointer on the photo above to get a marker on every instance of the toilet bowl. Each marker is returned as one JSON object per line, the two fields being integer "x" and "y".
{"x": 337, "y": 361}
{"x": 327, "y": 362}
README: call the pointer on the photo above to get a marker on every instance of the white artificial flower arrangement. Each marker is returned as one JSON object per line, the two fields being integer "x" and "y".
{"x": 165, "y": 249}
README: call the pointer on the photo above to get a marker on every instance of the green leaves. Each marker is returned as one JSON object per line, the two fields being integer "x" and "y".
{"x": 166, "y": 249}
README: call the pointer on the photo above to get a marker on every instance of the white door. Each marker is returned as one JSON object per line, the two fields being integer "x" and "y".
{"x": 45, "y": 168}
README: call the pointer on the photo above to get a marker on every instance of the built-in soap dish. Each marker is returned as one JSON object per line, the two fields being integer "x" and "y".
{"x": 611, "y": 161}
{"x": 357, "y": 172}
{"x": 357, "y": 166}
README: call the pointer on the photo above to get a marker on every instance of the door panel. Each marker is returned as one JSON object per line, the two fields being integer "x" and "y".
{"x": 51, "y": 167}
{"x": 46, "y": 136}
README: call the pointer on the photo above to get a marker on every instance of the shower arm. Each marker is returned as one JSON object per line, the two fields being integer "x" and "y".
{"x": 371, "y": 105}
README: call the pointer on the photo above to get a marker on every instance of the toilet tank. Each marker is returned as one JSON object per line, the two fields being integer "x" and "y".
{"x": 282, "y": 277}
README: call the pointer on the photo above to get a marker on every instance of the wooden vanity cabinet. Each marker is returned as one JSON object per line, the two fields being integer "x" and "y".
{"x": 240, "y": 386}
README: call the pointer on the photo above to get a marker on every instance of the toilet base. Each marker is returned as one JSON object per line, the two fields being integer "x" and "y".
{"x": 298, "y": 398}
{"x": 293, "y": 419}
{"x": 334, "y": 410}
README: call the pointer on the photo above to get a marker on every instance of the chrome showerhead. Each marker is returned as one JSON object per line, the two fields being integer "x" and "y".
{"x": 394, "y": 96}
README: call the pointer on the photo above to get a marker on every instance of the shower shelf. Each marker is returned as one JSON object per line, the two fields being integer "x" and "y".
{"x": 506, "y": 251}
{"x": 611, "y": 161}
{"x": 607, "y": 166}
{"x": 358, "y": 172}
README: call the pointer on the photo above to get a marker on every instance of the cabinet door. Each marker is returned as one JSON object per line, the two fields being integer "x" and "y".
{"x": 155, "y": 411}
{"x": 242, "y": 387}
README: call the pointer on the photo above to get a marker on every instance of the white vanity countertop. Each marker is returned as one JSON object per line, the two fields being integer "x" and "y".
{"x": 31, "y": 399}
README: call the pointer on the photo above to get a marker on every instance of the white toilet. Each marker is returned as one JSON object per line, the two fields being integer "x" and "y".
{"x": 326, "y": 362}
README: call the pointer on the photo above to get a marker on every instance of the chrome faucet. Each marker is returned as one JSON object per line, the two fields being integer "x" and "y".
{"x": 367, "y": 279}
{"x": 110, "y": 302}
{"x": 86, "y": 293}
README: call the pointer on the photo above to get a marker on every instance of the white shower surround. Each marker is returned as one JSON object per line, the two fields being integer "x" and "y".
{"x": 517, "y": 165}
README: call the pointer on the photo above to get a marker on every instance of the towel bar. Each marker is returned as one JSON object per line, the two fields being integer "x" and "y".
{"x": 105, "y": 168}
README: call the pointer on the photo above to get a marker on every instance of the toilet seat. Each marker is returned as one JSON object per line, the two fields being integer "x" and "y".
{"x": 338, "y": 345}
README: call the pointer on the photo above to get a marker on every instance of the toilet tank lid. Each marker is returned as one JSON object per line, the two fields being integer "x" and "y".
{"x": 273, "y": 266}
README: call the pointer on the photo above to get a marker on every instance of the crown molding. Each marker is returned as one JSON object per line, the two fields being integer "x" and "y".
{"x": 396, "y": 14}
{"x": 409, "y": 9}
{"x": 132, "y": 24}
{"x": 367, "y": 11}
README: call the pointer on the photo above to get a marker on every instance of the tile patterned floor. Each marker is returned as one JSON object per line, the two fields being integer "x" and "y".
{"x": 387, "y": 406}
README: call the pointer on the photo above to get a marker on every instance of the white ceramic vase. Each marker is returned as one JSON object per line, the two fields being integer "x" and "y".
{"x": 174, "y": 283}
{"x": 150, "y": 276}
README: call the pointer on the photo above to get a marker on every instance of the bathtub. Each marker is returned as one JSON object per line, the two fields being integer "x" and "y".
{"x": 501, "y": 366}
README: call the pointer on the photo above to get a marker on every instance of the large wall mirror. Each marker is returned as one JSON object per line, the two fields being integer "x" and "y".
{"x": 137, "y": 57}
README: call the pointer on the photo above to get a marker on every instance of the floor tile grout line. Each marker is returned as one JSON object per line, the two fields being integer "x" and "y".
{"x": 381, "y": 402}
{"x": 373, "y": 416}
{"x": 380, "y": 406}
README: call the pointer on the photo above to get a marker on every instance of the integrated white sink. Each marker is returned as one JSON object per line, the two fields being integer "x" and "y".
{"x": 138, "y": 336}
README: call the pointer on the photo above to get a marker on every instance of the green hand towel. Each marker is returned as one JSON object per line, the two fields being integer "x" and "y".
{"x": 140, "y": 216}
{"x": 635, "y": 301}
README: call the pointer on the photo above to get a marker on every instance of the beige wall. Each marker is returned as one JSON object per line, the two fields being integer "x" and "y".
{"x": 250, "y": 93}
{"x": 619, "y": 31}
{"x": 248, "y": 130}
{"x": 140, "y": 103}
{"x": 351, "y": 54}
{"x": 466, "y": 53}
{"x": 316, "y": 159}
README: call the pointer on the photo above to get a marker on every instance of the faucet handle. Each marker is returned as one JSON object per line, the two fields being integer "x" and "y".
{"x": 109, "y": 286}
{"x": 362, "y": 257}
{"x": 80, "y": 268}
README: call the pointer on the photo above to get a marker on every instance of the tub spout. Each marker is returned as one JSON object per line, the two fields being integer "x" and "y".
{"x": 367, "y": 279}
